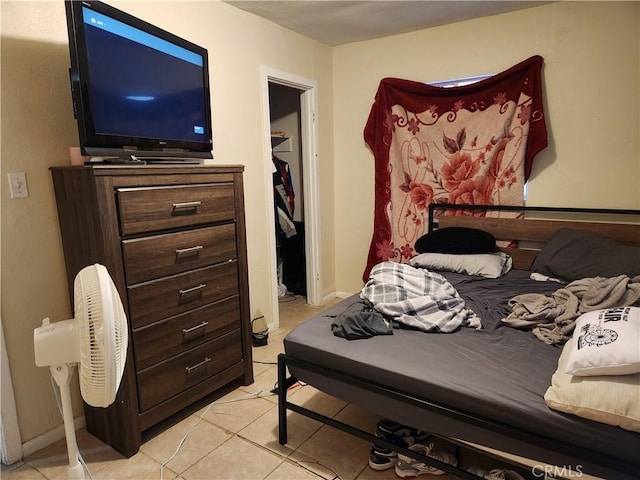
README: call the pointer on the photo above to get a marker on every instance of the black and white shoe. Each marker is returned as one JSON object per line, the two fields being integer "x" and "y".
{"x": 496, "y": 474}
{"x": 383, "y": 458}
{"x": 408, "y": 467}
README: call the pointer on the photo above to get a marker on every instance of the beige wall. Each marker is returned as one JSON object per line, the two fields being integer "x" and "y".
{"x": 591, "y": 77}
{"x": 592, "y": 159}
{"x": 38, "y": 128}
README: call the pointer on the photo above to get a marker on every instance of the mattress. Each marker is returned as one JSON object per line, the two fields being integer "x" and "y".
{"x": 498, "y": 373}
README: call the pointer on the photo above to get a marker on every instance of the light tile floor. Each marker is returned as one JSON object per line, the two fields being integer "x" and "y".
{"x": 235, "y": 437}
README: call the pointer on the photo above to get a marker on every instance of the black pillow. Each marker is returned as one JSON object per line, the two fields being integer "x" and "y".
{"x": 456, "y": 240}
{"x": 572, "y": 254}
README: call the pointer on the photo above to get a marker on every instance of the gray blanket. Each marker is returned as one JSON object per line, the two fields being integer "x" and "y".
{"x": 552, "y": 319}
{"x": 360, "y": 320}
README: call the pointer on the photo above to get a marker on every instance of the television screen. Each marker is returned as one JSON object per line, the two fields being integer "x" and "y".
{"x": 137, "y": 89}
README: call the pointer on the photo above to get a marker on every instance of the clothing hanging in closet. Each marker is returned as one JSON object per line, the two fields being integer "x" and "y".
{"x": 289, "y": 234}
{"x": 284, "y": 198}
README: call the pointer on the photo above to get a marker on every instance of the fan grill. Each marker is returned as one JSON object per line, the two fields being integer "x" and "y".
{"x": 103, "y": 335}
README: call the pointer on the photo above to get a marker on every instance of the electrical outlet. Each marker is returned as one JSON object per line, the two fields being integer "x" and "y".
{"x": 18, "y": 185}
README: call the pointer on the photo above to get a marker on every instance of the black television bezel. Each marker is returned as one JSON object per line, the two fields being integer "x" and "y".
{"x": 93, "y": 144}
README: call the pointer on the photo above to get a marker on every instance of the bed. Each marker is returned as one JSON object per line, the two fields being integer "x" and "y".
{"x": 481, "y": 388}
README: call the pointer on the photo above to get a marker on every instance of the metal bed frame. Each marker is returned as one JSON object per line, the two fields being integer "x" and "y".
{"x": 548, "y": 450}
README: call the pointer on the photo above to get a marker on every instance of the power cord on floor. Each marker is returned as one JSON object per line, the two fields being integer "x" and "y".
{"x": 250, "y": 396}
{"x": 300, "y": 463}
{"x": 291, "y": 384}
{"x": 260, "y": 394}
{"x": 181, "y": 442}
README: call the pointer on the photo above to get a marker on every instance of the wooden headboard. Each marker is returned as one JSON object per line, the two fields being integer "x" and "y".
{"x": 533, "y": 233}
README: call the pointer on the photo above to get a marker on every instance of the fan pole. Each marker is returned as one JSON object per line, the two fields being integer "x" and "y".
{"x": 62, "y": 375}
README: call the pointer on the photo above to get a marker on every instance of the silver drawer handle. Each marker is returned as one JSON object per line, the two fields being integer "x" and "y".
{"x": 186, "y": 205}
{"x": 188, "y": 251}
{"x": 195, "y": 289}
{"x": 187, "y": 331}
{"x": 197, "y": 365}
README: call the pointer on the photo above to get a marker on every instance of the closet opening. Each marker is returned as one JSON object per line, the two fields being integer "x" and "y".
{"x": 288, "y": 190}
{"x": 290, "y": 111}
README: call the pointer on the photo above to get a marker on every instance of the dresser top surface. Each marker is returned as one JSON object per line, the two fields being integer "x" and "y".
{"x": 107, "y": 169}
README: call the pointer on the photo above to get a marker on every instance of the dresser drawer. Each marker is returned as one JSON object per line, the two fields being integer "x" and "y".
{"x": 157, "y": 256}
{"x": 169, "y": 296}
{"x": 147, "y": 209}
{"x": 166, "y": 379}
{"x": 164, "y": 339}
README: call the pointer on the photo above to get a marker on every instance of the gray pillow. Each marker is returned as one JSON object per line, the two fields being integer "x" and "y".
{"x": 572, "y": 254}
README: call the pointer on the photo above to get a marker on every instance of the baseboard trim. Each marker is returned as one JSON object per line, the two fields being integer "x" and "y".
{"x": 50, "y": 437}
{"x": 343, "y": 294}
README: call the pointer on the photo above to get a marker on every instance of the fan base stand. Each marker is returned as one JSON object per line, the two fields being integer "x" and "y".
{"x": 76, "y": 472}
{"x": 62, "y": 375}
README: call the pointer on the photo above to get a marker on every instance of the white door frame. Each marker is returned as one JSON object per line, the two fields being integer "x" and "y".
{"x": 10, "y": 440}
{"x": 310, "y": 179}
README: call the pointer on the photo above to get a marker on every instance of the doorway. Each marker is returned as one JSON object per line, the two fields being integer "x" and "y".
{"x": 286, "y": 143}
{"x": 10, "y": 440}
{"x": 300, "y": 92}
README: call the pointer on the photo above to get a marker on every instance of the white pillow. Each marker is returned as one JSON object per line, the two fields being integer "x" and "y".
{"x": 490, "y": 265}
{"x": 608, "y": 399}
{"x": 606, "y": 342}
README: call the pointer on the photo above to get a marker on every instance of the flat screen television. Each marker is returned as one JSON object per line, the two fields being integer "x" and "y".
{"x": 138, "y": 91}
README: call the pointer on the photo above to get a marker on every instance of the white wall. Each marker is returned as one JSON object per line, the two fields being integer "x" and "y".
{"x": 38, "y": 128}
{"x": 592, "y": 97}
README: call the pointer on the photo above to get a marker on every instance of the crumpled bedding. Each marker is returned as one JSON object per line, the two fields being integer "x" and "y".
{"x": 417, "y": 298}
{"x": 359, "y": 321}
{"x": 552, "y": 318}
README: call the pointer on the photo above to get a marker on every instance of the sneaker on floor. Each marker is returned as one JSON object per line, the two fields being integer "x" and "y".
{"x": 408, "y": 467}
{"x": 388, "y": 429}
{"x": 496, "y": 474}
{"x": 383, "y": 458}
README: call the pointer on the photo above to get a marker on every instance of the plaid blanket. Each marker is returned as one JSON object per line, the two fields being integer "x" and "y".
{"x": 417, "y": 298}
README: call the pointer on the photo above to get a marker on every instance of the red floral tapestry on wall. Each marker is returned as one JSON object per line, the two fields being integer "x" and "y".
{"x": 472, "y": 144}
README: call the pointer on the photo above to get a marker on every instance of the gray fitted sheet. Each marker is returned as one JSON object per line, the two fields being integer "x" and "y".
{"x": 498, "y": 373}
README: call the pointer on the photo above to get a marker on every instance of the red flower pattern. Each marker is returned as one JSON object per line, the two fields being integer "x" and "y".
{"x": 385, "y": 250}
{"x": 421, "y": 195}
{"x": 500, "y": 99}
{"x": 459, "y": 168}
{"x": 413, "y": 126}
{"x": 525, "y": 114}
{"x": 457, "y": 177}
{"x": 390, "y": 121}
{"x": 407, "y": 251}
{"x": 458, "y": 105}
{"x": 472, "y": 191}
{"x": 427, "y": 162}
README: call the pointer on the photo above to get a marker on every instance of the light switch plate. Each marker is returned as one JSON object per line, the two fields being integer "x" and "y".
{"x": 18, "y": 185}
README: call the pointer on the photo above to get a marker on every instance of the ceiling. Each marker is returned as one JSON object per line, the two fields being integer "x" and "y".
{"x": 339, "y": 22}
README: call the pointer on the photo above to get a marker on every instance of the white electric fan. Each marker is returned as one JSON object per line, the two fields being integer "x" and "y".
{"x": 96, "y": 339}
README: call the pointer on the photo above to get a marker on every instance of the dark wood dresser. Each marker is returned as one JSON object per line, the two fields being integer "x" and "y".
{"x": 173, "y": 240}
